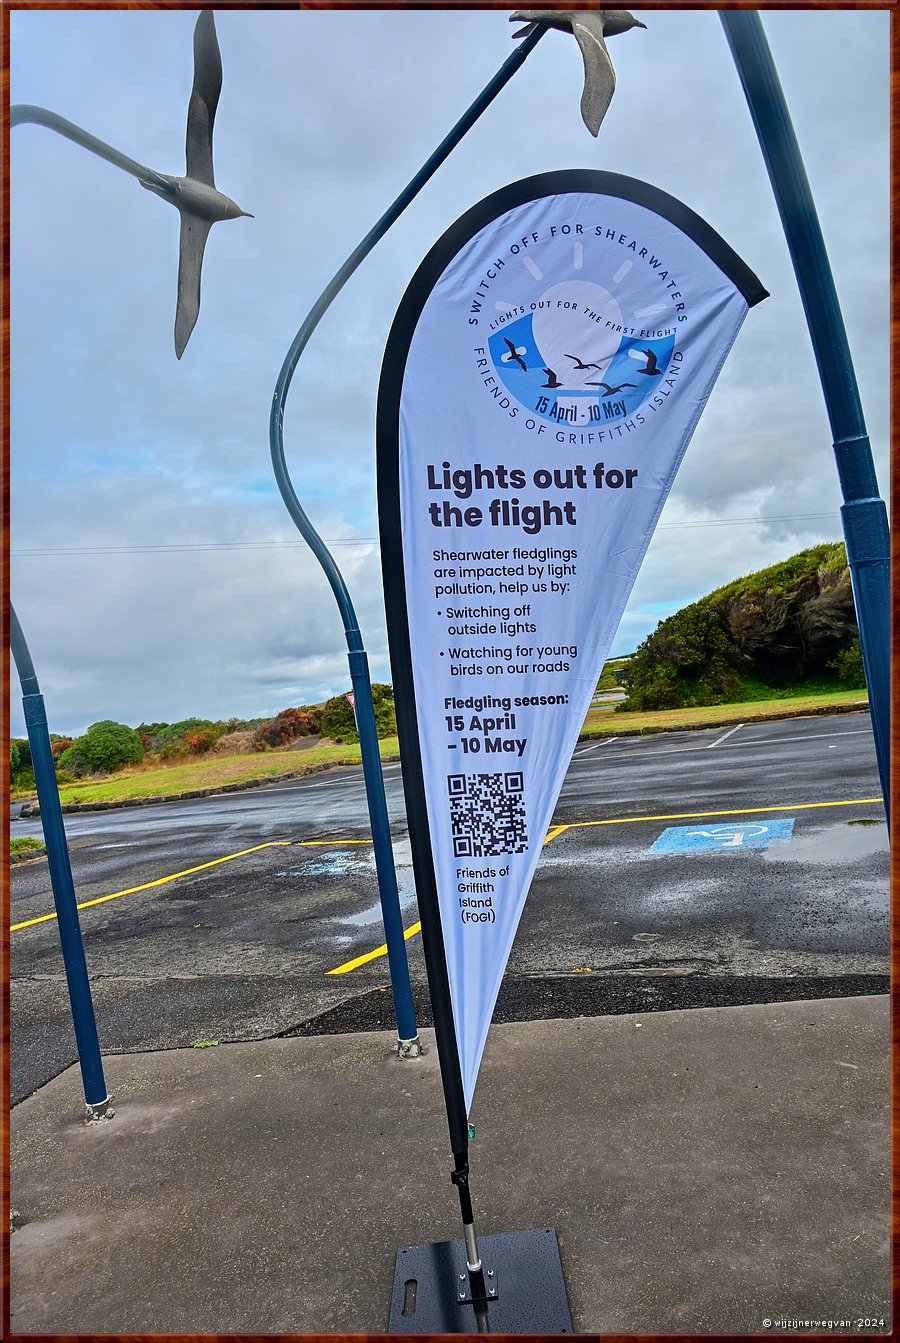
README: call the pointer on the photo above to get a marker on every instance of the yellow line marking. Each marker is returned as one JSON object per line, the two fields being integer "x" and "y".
{"x": 737, "y": 811}
{"x": 409, "y": 932}
{"x": 132, "y": 890}
{"x": 324, "y": 843}
{"x": 557, "y": 830}
{"x": 621, "y": 820}
{"x": 373, "y": 955}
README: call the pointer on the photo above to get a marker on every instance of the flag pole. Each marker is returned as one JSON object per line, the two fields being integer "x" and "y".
{"x": 96, "y": 1098}
{"x": 439, "y": 988}
{"x": 863, "y": 512}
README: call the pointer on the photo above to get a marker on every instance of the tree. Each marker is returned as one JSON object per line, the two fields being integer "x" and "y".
{"x": 775, "y": 628}
{"x": 339, "y": 720}
{"x": 849, "y": 667}
{"x": 105, "y": 747}
{"x": 287, "y": 726}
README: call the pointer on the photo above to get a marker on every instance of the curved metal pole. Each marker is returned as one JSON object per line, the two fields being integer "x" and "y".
{"x": 95, "y": 1094}
{"x": 359, "y": 670}
{"x": 862, "y": 512}
{"x": 71, "y": 942}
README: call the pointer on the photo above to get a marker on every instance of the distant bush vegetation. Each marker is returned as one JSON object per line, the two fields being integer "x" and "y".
{"x": 339, "y": 719}
{"x": 789, "y": 625}
{"x": 288, "y": 725}
{"x": 21, "y": 774}
{"x": 109, "y": 746}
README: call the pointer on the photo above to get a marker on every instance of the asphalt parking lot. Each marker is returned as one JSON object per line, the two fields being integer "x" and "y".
{"x": 682, "y": 869}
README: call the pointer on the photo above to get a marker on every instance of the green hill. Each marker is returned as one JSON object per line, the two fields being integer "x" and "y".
{"x": 790, "y": 627}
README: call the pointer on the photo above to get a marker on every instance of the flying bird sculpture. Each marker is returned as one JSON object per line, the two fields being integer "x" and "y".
{"x": 195, "y": 195}
{"x": 589, "y": 27}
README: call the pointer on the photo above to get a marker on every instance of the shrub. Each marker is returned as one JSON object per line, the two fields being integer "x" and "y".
{"x": 59, "y": 745}
{"x": 21, "y": 774}
{"x": 174, "y": 739}
{"x": 73, "y": 762}
{"x": 287, "y": 726}
{"x": 199, "y": 740}
{"x": 385, "y": 714}
{"x": 339, "y": 720}
{"x": 849, "y": 667}
{"x": 236, "y": 743}
{"x": 19, "y": 756}
{"x": 780, "y": 627}
{"x": 26, "y": 844}
{"x": 150, "y": 729}
{"x": 106, "y": 746}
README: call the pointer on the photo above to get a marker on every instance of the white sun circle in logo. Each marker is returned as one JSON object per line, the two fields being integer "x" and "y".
{"x": 570, "y": 323}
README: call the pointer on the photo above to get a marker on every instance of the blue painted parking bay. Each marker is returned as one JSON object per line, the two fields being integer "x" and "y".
{"x": 731, "y": 835}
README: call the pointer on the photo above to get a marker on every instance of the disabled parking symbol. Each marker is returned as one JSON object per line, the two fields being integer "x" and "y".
{"x": 731, "y": 836}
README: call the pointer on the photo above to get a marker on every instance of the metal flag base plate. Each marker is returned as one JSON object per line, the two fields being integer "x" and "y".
{"x": 431, "y": 1287}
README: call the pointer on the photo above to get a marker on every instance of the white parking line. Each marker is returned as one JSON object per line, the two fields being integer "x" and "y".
{"x": 746, "y": 741}
{"x": 809, "y": 736}
{"x": 596, "y": 745}
{"x": 731, "y": 733}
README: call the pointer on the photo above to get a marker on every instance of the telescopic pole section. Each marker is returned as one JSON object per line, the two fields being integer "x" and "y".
{"x": 384, "y": 863}
{"x": 95, "y": 1094}
{"x": 439, "y": 988}
{"x": 863, "y": 512}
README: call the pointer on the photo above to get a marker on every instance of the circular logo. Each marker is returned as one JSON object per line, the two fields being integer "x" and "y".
{"x": 582, "y": 351}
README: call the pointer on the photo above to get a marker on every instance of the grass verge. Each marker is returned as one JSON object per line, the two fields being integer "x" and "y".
{"x": 611, "y": 723}
{"x": 215, "y": 773}
{"x": 25, "y": 847}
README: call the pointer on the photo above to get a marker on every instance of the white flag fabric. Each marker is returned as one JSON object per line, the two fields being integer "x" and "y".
{"x": 545, "y": 371}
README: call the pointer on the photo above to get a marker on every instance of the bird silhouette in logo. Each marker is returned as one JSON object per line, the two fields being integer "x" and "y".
{"x": 553, "y": 380}
{"x": 610, "y": 391}
{"x": 514, "y": 355}
{"x": 589, "y": 28}
{"x": 194, "y": 195}
{"x": 579, "y": 365}
{"x": 651, "y": 370}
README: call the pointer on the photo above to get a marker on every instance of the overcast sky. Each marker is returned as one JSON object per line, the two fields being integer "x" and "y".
{"x": 156, "y": 572}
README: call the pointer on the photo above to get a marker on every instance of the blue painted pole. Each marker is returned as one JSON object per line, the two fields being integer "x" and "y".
{"x": 863, "y": 512}
{"x": 95, "y": 1094}
{"x": 359, "y": 671}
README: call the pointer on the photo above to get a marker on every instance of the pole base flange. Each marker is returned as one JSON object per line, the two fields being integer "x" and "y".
{"x": 429, "y": 1280}
{"x": 95, "y": 1114}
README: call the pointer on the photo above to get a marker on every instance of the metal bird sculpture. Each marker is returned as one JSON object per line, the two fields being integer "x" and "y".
{"x": 589, "y": 27}
{"x": 194, "y": 195}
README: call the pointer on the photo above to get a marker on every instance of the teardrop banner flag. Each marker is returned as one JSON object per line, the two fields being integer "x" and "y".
{"x": 543, "y": 376}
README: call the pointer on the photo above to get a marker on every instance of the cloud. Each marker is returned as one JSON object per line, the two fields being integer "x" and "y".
{"x": 324, "y": 117}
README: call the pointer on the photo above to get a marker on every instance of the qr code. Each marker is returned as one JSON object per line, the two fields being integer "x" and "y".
{"x": 487, "y": 814}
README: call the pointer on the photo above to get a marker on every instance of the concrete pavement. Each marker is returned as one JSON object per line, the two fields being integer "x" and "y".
{"x": 706, "y": 1171}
